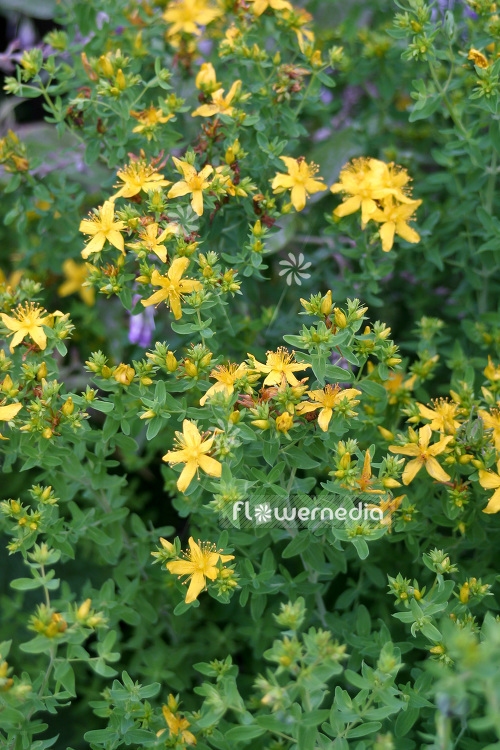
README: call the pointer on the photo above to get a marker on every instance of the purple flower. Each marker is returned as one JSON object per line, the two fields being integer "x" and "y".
{"x": 141, "y": 326}
{"x": 445, "y": 5}
{"x": 100, "y": 19}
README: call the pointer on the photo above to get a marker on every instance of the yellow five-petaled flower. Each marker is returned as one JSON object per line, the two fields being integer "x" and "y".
{"x": 327, "y": 400}
{"x": 173, "y": 287}
{"x": 149, "y": 119}
{"x": 194, "y": 182}
{"x": 27, "y": 320}
{"x": 442, "y": 416}
{"x": 226, "y": 378}
{"x": 394, "y": 220}
{"x": 153, "y": 242}
{"x": 136, "y": 177}
{"x": 220, "y": 104}
{"x": 102, "y": 226}
{"x": 300, "y": 180}
{"x": 280, "y": 366}
{"x": 186, "y": 16}
{"x": 192, "y": 451}
{"x": 199, "y": 564}
{"x": 424, "y": 455}
{"x": 75, "y": 276}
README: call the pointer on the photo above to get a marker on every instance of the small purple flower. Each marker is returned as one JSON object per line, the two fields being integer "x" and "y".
{"x": 141, "y": 326}
{"x": 445, "y": 5}
{"x": 101, "y": 19}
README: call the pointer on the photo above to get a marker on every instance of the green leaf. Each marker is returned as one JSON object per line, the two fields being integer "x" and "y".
{"x": 63, "y": 673}
{"x": 368, "y": 727}
{"x": 26, "y": 584}
{"x": 405, "y": 721}
{"x": 244, "y": 733}
{"x": 298, "y": 544}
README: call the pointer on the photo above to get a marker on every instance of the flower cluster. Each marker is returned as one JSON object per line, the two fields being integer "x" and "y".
{"x": 382, "y": 194}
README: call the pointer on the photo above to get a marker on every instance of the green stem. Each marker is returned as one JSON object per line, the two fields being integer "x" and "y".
{"x": 449, "y": 106}
{"x": 306, "y": 94}
{"x": 198, "y": 315}
{"x": 277, "y": 308}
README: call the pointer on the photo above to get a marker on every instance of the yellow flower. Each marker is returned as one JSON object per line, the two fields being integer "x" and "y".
{"x": 280, "y": 366}
{"x": 153, "y": 242}
{"x": 388, "y": 507}
{"x": 27, "y": 320}
{"x": 206, "y": 78}
{"x": 366, "y": 181}
{"x": 187, "y": 16}
{"x": 226, "y": 378}
{"x": 124, "y": 374}
{"x": 7, "y": 413}
{"x": 192, "y": 452}
{"x": 365, "y": 481}
{"x": 259, "y": 6}
{"x": 491, "y": 481}
{"x": 424, "y": 455}
{"x": 149, "y": 119}
{"x": 491, "y": 371}
{"x": 12, "y": 280}
{"x": 284, "y": 422}
{"x": 101, "y": 227}
{"x": 297, "y": 19}
{"x": 221, "y": 105}
{"x": 137, "y": 176}
{"x": 76, "y": 274}
{"x": 327, "y": 400}
{"x": 478, "y": 58}
{"x": 442, "y": 416}
{"x": 178, "y": 727}
{"x": 224, "y": 181}
{"x": 232, "y": 35}
{"x": 394, "y": 220}
{"x": 173, "y": 287}
{"x": 200, "y": 563}
{"x": 398, "y": 388}
{"x": 491, "y": 421}
{"x": 300, "y": 180}
{"x": 194, "y": 182}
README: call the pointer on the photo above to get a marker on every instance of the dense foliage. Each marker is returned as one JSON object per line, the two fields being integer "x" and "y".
{"x": 250, "y": 283}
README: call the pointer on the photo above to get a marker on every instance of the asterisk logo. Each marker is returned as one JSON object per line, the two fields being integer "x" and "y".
{"x": 263, "y": 513}
{"x": 186, "y": 217}
{"x": 295, "y": 269}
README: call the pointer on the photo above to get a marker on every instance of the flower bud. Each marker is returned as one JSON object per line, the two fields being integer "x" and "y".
{"x": 340, "y": 318}
{"x": 106, "y": 66}
{"x": 68, "y": 407}
{"x": 124, "y": 374}
{"x": 171, "y": 362}
{"x": 262, "y": 424}
{"x": 464, "y": 593}
{"x": 386, "y": 434}
{"x": 190, "y": 368}
{"x": 84, "y": 609}
{"x": 167, "y": 545}
{"x": 326, "y": 304}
